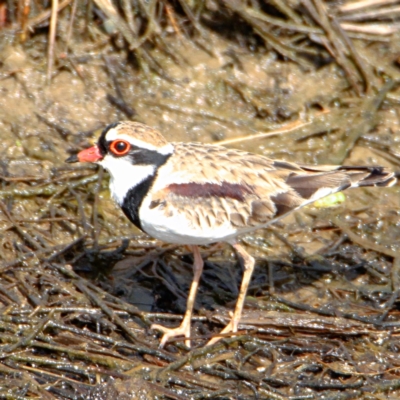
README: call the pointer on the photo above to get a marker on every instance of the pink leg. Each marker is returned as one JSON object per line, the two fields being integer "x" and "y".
{"x": 184, "y": 328}
{"x": 248, "y": 265}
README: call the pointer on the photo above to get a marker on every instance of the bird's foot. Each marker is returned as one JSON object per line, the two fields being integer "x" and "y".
{"x": 182, "y": 330}
{"x": 232, "y": 327}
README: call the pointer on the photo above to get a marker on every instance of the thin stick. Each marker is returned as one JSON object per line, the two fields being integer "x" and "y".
{"x": 41, "y": 18}
{"x": 365, "y": 4}
{"x": 286, "y": 129}
{"x": 70, "y": 25}
{"x": 52, "y": 38}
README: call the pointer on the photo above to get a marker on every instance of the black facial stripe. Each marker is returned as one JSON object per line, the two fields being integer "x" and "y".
{"x": 147, "y": 157}
{"x": 134, "y": 198}
{"x": 102, "y": 143}
{"x": 140, "y": 156}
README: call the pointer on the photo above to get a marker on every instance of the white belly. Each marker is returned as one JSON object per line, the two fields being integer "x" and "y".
{"x": 181, "y": 230}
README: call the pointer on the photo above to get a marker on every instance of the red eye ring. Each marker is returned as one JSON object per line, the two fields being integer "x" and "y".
{"x": 120, "y": 147}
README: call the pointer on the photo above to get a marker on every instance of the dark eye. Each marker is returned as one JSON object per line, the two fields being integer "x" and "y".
{"x": 120, "y": 147}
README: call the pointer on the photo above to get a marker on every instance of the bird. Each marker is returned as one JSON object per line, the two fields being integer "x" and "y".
{"x": 196, "y": 194}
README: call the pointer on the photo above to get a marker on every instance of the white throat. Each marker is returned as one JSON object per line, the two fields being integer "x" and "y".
{"x": 124, "y": 176}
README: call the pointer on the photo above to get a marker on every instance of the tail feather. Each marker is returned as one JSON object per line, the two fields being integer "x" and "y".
{"x": 370, "y": 176}
{"x": 311, "y": 183}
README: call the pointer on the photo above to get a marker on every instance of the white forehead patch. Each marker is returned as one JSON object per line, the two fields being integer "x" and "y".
{"x": 113, "y": 134}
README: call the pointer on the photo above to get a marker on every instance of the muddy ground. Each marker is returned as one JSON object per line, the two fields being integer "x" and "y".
{"x": 311, "y": 82}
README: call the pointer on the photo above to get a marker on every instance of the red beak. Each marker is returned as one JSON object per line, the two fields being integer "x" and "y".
{"x": 92, "y": 154}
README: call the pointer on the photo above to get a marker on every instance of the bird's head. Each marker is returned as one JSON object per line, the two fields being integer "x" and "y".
{"x": 129, "y": 151}
{"x": 125, "y": 142}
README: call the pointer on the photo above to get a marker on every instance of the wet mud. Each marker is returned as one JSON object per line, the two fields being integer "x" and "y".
{"x": 311, "y": 82}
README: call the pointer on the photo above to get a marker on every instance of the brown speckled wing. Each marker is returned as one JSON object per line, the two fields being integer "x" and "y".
{"x": 213, "y": 185}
